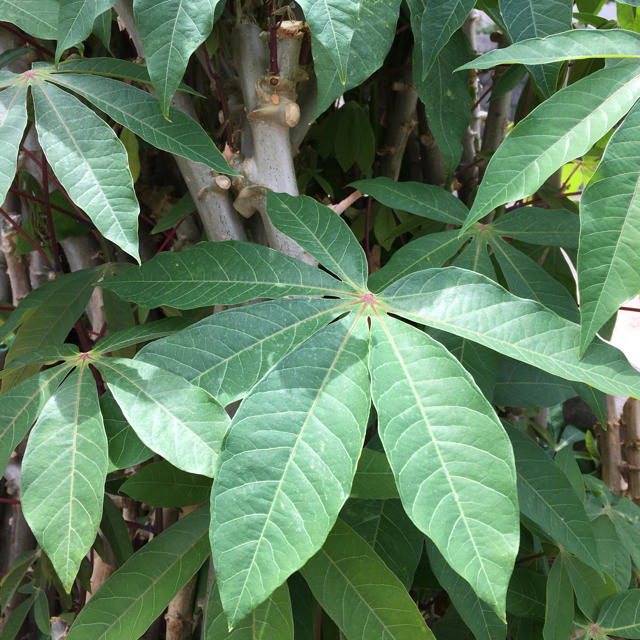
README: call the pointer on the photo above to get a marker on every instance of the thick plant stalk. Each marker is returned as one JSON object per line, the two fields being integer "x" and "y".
{"x": 433, "y": 167}
{"x": 102, "y": 569}
{"x": 631, "y": 430}
{"x": 609, "y": 445}
{"x": 16, "y": 266}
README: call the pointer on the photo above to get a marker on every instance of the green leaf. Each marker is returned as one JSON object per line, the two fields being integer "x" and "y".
{"x": 140, "y": 112}
{"x": 162, "y": 485}
{"x": 8, "y": 56}
{"x": 566, "y": 460}
{"x": 576, "y": 44}
{"x": 349, "y": 40}
{"x": 450, "y": 456}
{"x": 608, "y": 264}
{"x": 355, "y": 141}
{"x": 360, "y": 593}
{"x": 432, "y": 250}
{"x": 182, "y": 423}
{"x": 38, "y": 18}
{"x": 135, "y": 595}
{"x": 125, "y": 448}
{"x": 170, "y": 32}
{"x": 421, "y": 199}
{"x": 90, "y": 162}
{"x": 16, "y": 618}
{"x": 179, "y": 211}
{"x": 229, "y": 352}
{"x": 288, "y": 463}
{"x": 385, "y": 526}
{"x": 477, "y": 615}
{"x": 12, "y": 579}
{"x": 46, "y": 355}
{"x": 439, "y": 21}
{"x": 475, "y": 257}
{"x": 321, "y": 232}
{"x": 620, "y": 615}
{"x": 526, "y": 597}
{"x": 272, "y": 620}
{"x": 562, "y": 128}
{"x": 374, "y": 478}
{"x": 13, "y": 120}
{"x": 102, "y": 28}
{"x": 591, "y": 588}
{"x": 67, "y": 449}
{"x": 547, "y": 498}
{"x": 140, "y": 333}
{"x": 558, "y": 619}
{"x": 221, "y": 273}
{"x": 614, "y": 558}
{"x": 75, "y": 21}
{"x": 472, "y": 306}
{"x": 548, "y": 227}
{"x": 21, "y": 405}
{"x": 115, "y": 531}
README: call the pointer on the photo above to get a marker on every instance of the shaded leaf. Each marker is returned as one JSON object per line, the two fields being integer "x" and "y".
{"x": 591, "y": 588}
{"x": 37, "y": 17}
{"x": 620, "y": 615}
{"x": 526, "y": 597}
{"x": 374, "y": 478}
{"x": 13, "y": 119}
{"x": 140, "y": 333}
{"x": 115, "y": 531}
{"x": 548, "y": 227}
{"x": 558, "y": 619}
{"x": 76, "y": 19}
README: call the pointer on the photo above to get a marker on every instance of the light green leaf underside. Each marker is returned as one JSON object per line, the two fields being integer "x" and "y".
{"x": 439, "y": 21}
{"x": 135, "y": 595}
{"x": 229, "y": 352}
{"x": 477, "y": 615}
{"x": 272, "y": 620}
{"x": 450, "y": 456}
{"x": 20, "y": 406}
{"x": 569, "y": 45}
{"x": 221, "y": 273}
{"x": 364, "y": 41}
{"x": 76, "y": 19}
{"x": 90, "y": 162}
{"x": 360, "y": 593}
{"x": 547, "y": 497}
{"x": 548, "y": 227}
{"x": 141, "y": 333}
{"x": 140, "y": 112}
{"x": 562, "y": 128}
{"x": 608, "y": 262}
{"x": 472, "y": 306}
{"x": 288, "y": 463}
{"x": 182, "y": 423}
{"x": 38, "y": 18}
{"x": 620, "y": 615}
{"x": 424, "y": 200}
{"x": 321, "y": 232}
{"x": 13, "y": 120}
{"x": 171, "y": 31}
{"x": 67, "y": 449}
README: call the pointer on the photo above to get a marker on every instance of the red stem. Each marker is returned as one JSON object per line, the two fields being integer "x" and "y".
{"x": 220, "y": 91}
{"x": 367, "y": 226}
{"x": 25, "y": 235}
{"x": 7, "y": 307}
{"x": 29, "y": 196}
{"x": 47, "y": 207}
{"x": 166, "y": 241}
{"x": 404, "y": 27}
{"x": 32, "y": 41}
{"x": 273, "y": 40}
{"x": 9, "y": 501}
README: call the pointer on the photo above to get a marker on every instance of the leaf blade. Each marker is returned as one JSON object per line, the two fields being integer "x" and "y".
{"x": 13, "y": 120}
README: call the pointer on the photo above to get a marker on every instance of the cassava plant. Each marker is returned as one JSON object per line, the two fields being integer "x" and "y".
{"x": 232, "y": 409}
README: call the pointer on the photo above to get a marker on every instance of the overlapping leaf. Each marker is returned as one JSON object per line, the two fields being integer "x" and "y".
{"x": 472, "y": 306}
{"x": 67, "y": 449}
{"x": 141, "y": 333}
{"x": 548, "y": 227}
{"x": 221, "y": 273}
{"x": 450, "y": 456}
{"x": 558, "y": 620}
{"x": 76, "y": 19}
{"x": 36, "y": 17}
{"x": 562, "y": 128}
{"x": 288, "y": 463}
{"x": 135, "y": 595}
{"x": 13, "y": 119}
{"x": 620, "y": 615}
{"x": 90, "y": 162}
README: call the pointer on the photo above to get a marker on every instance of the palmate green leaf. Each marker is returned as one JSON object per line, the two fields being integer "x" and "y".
{"x": 177, "y": 420}
{"x": 608, "y": 264}
{"x": 7, "y": 78}
{"x": 562, "y": 128}
{"x": 592, "y": 589}
{"x": 439, "y": 21}
{"x": 421, "y": 199}
{"x": 477, "y": 615}
{"x": 547, "y": 497}
{"x": 46, "y": 355}
{"x": 76, "y": 19}
{"x": 349, "y": 41}
{"x": 135, "y": 595}
{"x": 558, "y": 619}
{"x": 614, "y": 558}
{"x": 90, "y": 162}
{"x": 140, "y": 112}
{"x": 20, "y": 406}
{"x": 140, "y": 333}
{"x": 548, "y": 227}
{"x": 472, "y": 306}
{"x": 221, "y": 273}
{"x": 475, "y": 257}
{"x": 38, "y": 18}
{"x": 620, "y": 615}
{"x": 13, "y": 120}
{"x": 288, "y": 463}
{"x": 360, "y": 593}
{"x": 450, "y": 456}
{"x": 374, "y": 478}
{"x": 102, "y": 28}
{"x": 162, "y": 485}
{"x": 171, "y": 31}
{"x": 569, "y": 45}
{"x": 67, "y": 449}
{"x": 322, "y": 233}
{"x": 229, "y": 352}
{"x": 538, "y": 19}
{"x": 526, "y": 597}
{"x": 272, "y": 620}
